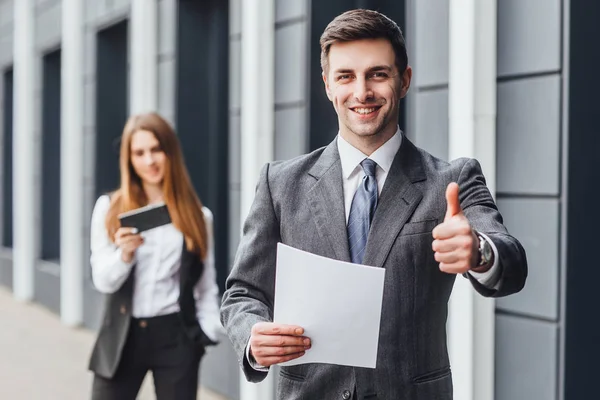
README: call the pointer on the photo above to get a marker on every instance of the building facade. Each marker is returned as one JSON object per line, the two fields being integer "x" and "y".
{"x": 73, "y": 70}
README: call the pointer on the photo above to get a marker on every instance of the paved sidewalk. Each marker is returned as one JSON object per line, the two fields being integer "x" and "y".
{"x": 41, "y": 359}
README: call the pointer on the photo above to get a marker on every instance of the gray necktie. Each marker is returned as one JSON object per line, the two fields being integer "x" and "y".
{"x": 361, "y": 211}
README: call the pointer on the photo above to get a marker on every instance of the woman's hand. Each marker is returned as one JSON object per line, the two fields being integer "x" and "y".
{"x": 128, "y": 241}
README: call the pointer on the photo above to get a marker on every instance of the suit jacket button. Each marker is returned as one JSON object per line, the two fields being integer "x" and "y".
{"x": 346, "y": 395}
{"x": 123, "y": 310}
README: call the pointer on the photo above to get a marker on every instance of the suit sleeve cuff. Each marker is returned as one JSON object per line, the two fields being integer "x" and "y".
{"x": 252, "y": 362}
{"x": 490, "y": 278}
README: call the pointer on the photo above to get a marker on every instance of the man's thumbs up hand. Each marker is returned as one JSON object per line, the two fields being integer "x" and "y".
{"x": 455, "y": 244}
{"x": 453, "y": 203}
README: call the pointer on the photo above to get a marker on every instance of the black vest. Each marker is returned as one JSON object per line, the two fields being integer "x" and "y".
{"x": 107, "y": 351}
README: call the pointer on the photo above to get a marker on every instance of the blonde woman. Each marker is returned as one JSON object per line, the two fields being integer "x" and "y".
{"x": 162, "y": 305}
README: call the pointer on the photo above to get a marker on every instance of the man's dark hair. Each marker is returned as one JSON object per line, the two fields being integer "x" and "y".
{"x": 363, "y": 24}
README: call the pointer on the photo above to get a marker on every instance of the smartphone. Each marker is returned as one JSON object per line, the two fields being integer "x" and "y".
{"x": 145, "y": 218}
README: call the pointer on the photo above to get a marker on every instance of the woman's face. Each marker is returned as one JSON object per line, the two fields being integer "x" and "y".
{"x": 147, "y": 157}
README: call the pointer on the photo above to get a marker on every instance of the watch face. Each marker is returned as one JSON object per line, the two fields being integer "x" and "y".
{"x": 486, "y": 251}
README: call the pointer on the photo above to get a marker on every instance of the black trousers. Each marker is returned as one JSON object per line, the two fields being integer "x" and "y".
{"x": 157, "y": 344}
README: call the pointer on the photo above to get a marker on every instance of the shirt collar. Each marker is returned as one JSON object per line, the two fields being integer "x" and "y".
{"x": 351, "y": 157}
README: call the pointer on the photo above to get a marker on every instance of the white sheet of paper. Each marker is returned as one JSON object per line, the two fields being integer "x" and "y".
{"x": 337, "y": 303}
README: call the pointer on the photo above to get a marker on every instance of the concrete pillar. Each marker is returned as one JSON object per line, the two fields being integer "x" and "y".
{"x": 257, "y": 123}
{"x": 258, "y": 115}
{"x": 472, "y": 130}
{"x": 72, "y": 261}
{"x": 144, "y": 56}
{"x": 24, "y": 194}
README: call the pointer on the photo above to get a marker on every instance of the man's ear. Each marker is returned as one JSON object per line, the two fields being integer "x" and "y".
{"x": 327, "y": 88}
{"x": 405, "y": 81}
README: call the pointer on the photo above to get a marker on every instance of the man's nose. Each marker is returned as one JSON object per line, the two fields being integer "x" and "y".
{"x": 362, "y": 91}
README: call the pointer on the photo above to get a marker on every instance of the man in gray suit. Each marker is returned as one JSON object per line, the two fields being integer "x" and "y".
{"x": 370, "y": 197}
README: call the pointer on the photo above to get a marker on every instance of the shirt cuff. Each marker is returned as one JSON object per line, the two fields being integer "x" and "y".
{"x": 125, "y": 265}
{"x": 252, "y": 362}
{"x": 490, "y": 278}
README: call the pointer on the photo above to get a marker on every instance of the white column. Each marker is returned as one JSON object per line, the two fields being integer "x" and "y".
{"x": 71, "y": 242}
{"x": 257, "y": 123}
{"x": 472, "y": 114}
{"x": 24, "y": 246}
{"x": 144, "y": 56}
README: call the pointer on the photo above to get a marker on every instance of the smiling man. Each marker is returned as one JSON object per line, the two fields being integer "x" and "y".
{"x": 369, "y": 197}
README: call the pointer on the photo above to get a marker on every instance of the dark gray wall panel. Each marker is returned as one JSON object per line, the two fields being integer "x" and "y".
{"x": 528, "y": 136}
{"x": 535, "y": 223}
{"x": 51, "y": 135}
{"x": 582, "y": 275}
{"x": 432, "y": 122}
{"x": 529, "y": 36}
{"x": 111, "y": 103}
{"x": 201, "y": 111}
{"x": 109, "y": 116}
{"x": 7, "y": 158}
{"x": 431, "y": 54}
{"x": 290, "y": 139}
{"x": 526, "y": 359}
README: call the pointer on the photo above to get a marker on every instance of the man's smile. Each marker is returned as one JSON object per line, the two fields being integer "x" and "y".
{"x": 366, "y": 111}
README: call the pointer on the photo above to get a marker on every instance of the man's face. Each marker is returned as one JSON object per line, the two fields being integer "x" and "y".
{"x": 365, "y": 87}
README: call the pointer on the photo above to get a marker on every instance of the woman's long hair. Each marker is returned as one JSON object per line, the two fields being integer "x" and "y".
{"x": 184, "y": 206}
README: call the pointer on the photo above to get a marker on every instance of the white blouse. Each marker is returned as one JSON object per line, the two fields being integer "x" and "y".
{"x": 157, "y": 260}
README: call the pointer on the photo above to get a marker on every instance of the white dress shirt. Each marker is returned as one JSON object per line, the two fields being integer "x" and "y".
{"x": 157, "y": 261}
{"x": 352, "y": 174}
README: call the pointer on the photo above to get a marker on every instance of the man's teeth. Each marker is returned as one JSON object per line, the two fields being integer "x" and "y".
{"x": 364, "y": 110}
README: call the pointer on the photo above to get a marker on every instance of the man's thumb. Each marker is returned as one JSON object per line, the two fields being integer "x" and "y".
{"x": 452, "y": 200}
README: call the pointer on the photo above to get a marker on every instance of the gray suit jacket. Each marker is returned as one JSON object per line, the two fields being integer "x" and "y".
{"x": 300, "y": 203}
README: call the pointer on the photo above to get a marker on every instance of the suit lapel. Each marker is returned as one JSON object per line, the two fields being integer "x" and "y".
{"x": 399, "y": 199}
{"x": 326, "y": 199}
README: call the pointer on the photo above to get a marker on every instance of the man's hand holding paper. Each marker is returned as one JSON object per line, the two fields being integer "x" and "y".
{"x": 334, "y": 305}
{"x": 272, "y": 343}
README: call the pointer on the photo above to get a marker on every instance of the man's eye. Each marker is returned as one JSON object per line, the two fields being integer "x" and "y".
{"x": 379, "y": 75}
{"x": 343, "y": 78}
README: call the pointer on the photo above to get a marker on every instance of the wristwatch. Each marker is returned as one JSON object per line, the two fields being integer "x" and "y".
{"x": 485, "y": 251}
